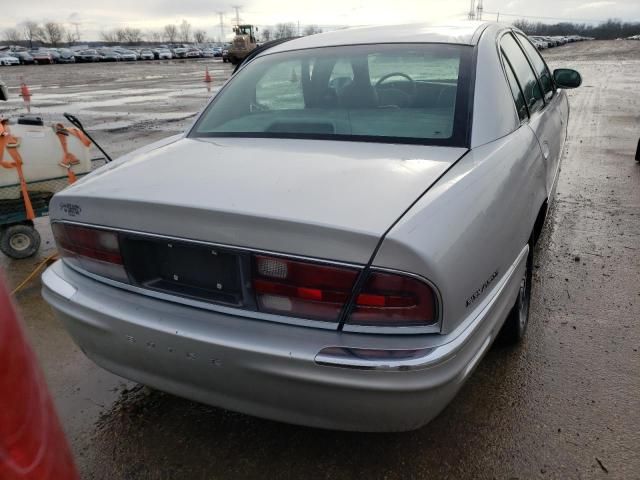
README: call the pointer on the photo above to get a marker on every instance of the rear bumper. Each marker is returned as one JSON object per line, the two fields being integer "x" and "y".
{"x": 273, "y": 370}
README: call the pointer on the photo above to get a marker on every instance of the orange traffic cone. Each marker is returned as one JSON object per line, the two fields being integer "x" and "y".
{"x": 26, "y": 95}
{"x": 207, "y": 77}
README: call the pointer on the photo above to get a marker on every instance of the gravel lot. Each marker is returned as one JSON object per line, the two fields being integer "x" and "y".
{"x": 563, "y": 405}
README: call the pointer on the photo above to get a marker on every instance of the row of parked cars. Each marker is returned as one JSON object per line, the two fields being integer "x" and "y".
{"x": 23, "y": 56}
{"x": 542, "y": 42}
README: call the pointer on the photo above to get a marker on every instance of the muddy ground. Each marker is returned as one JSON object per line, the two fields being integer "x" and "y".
{"x": 565, "y": 404}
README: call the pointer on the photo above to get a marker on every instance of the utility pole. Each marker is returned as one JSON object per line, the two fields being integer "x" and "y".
{"x": 77, "y": 30}
{"x": 472, "y": 10}
{"x": 498, "y": 17}
{"x": 221, "y": 15}
{"x": 479, "y": 10}
{"x": 237, "y": 9}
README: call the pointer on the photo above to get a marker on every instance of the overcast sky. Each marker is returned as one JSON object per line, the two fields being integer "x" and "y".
{"x": 94, "y": 16}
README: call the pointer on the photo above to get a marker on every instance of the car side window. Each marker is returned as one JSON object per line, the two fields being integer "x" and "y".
{"x": 523, "y": 72}
{"x": 280, "y": 88}
{"x": 518, "y": 97}
{"x": 539, "y": 65}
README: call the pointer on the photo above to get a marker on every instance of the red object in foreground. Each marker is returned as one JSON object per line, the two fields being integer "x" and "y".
{"x": 32, "y": 444}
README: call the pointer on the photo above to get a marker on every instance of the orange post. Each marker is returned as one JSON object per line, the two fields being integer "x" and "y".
{"x": 207, "y": 76}
{"x": 26, "y": 95}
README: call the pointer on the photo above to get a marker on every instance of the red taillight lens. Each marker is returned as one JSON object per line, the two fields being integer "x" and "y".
{"x": 320, "y": 292}
{"x": 92, "y": 249}
{"x": 390, "y": 300}
{"x": 301, "y": 289}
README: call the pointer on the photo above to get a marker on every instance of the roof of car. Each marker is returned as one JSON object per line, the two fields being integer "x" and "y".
{"x": 458, "y": 32}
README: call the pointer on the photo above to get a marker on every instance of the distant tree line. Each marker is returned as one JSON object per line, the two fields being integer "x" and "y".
{"x": 171, "y": 33}
{"x": 287, "y": 30}
{"x": 609, "y": 30}
{"x": 30, "y": 33}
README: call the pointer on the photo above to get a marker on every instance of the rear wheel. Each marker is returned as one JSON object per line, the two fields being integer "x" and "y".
{"x": 19, "y": 241}
{"x": 516, "y": 323}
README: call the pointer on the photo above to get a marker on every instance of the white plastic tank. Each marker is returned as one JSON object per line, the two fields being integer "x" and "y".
{"x": 42, "y": 154}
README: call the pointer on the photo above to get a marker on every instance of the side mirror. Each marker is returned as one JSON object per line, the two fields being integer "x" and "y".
{"x": 567, "y": 78}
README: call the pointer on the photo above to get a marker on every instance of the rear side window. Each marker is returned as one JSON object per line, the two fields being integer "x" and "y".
{"x": 518, "y": 97}
{"x": 538, "y": 64}
{"x": 526, "y": 78}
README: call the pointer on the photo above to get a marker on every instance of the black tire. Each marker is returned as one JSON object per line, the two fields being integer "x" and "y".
{"x": 19, "y": 241}
{"x": 515, "y": 326}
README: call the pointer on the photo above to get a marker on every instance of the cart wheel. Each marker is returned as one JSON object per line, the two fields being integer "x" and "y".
{"x": 20, "y": 241}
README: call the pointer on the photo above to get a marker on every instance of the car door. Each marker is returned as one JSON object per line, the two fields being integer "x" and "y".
{"x": 554, "y": 127}
{"x": 544, "y": 119}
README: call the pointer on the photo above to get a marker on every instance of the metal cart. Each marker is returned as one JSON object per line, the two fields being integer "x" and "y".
{"x": 18, "y": 236}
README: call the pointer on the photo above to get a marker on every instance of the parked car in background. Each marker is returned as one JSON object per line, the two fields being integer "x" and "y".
{"x": 208, "y": 52}
{"x": 23, "y": 56}
{"x": 55, "y": 55}
{"x": 193, "y": 53}
{"x": 87, "y": 56}
{"x": 41, "y": 56}
{"x": 107, "y": 55}
{"x": 217, "y": 51}
{"x": 164, "y": 54}
{"x": 67, "y": 56}
{"x": 8, "y": 59}
{"x": 127, "y": 55}
{"x": 415, "y": 169}
{"x": 179, "y": 52}
{"x": 540, "y": 42}
{"x": 146, "y": 55}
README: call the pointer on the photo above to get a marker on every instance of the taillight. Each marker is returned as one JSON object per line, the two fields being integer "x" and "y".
{"x": 94, "y": 250}
{"x": 391, "y": 300}
{"x": 301, "y": 289}
{"x": 320, "y": 292}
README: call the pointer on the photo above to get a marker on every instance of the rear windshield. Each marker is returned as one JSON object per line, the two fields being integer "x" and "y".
{"x": 405, "y": 93}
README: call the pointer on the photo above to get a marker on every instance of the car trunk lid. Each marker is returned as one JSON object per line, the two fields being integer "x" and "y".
{"x": 321, "y": 199}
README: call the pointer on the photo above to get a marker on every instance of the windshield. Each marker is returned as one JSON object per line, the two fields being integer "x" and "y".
{"x": 407, "y": 93}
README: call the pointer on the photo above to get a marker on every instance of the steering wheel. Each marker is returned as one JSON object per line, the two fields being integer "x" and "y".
{"x": 396, "y": 74}
{"x": 412, "y": 84}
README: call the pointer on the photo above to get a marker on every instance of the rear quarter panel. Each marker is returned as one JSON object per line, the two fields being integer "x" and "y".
{"x": 472, "y": 223}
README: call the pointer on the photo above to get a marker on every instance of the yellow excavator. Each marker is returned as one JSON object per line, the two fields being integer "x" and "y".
{"x": 243, "y": 43}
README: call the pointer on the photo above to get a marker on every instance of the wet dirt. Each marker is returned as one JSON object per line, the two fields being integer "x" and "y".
{"x": 564, "y": 404}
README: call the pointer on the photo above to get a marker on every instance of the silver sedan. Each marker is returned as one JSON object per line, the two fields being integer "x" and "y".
{"x": 337, "y": 240}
